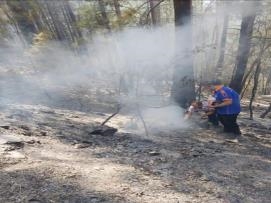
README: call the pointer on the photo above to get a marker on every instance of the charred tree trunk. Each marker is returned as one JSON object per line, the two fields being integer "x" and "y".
{"x": 249, "y": 75}
{"x": 220, "y": 62}
{"x": 255, "y": 62}
{"x": 246, "y": 85}
{"x": 243, "y": 52}
{"x": 254, "y": 89}
{"x": 183, "y": 88}
{"x": 249, "y": 72}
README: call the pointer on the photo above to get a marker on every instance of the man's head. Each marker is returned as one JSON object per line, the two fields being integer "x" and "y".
{"x": 213, "y": 84}
{"x": 210, "y": 85}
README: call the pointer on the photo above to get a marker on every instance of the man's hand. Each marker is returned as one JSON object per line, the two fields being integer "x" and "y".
{"x": 212, "y": 107}
{"x": 226, "y": 102}
{"x": 203, "y": 116}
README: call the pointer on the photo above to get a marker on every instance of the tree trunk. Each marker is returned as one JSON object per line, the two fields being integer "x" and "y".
{"x": 267, "y": 84}
{"x": 117, "y": 8}
{"x": 105, "y": 20}
{"x": 155, "y": 12}
{"x": 77, "y": 34}
{"x": 58, "y": 27}
{"x": 220, "y": 62}
{"x": 246, "y": 85}
{"x": 249, "y": 72}
{"x": 263, "y": 84}
{"x": 183, "y": 88}
{"x": 243, "y": 52}
{"x": 255, "y": 86}
{"x": 20, "y": 12}
{"x": 266, "y": 112}
{"x": 68, "y": 24}
{"x": 45, "y": 21}
{"x": 72, "y": 20}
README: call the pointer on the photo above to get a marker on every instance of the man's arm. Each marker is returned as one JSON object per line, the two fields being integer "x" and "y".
{"x": 226, "y": 102}
{"x": 225, "y": 99}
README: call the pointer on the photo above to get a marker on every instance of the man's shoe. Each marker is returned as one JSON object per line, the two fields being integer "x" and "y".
{"x": 215, "y": 127}
{"x": 232, "y": 140}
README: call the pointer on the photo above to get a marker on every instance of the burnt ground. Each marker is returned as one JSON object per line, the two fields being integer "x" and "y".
{"x": 49, "y": 155}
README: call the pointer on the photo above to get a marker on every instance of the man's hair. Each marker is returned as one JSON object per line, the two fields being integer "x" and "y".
{"x": 211, "y": 82}
{"x": 215, "y": 82}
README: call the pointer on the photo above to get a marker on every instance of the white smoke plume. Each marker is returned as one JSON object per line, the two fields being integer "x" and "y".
{"x": 131, "y": 67}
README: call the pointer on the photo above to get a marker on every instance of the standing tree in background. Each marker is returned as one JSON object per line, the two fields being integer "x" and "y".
{"x": 24, "y": 17}
{"x": 117, "y": 8}
{"x": 104, "y": 17}
{"x": 243, "y": 50}
{"x": 155, "y": 12}
{"x": 183, "y": 88}
{"x": 220, "y": 62}
{"x": 71, "y": 20}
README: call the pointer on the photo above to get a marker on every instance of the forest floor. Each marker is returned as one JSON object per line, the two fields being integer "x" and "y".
{"x": 49, "y": 155}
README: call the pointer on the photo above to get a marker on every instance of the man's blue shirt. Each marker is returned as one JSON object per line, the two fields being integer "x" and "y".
{"x": 227, "y": 93}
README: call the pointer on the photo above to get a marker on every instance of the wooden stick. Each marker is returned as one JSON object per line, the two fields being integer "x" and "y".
{"x": 142, "y": 119}
{"x": 106, "y": 120}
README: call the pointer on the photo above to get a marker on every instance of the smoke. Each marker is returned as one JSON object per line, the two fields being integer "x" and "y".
{"x": 133, "y": 67}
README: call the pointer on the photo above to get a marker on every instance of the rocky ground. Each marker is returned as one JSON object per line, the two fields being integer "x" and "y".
{"x": 54, "y": 155}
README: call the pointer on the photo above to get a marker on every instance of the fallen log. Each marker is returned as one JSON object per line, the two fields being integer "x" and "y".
{"x": 104, "y": 131}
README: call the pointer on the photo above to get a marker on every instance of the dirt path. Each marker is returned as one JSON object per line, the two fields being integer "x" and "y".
{"x": 59, "y": 161}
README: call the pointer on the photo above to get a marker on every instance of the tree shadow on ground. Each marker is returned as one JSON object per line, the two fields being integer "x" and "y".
{"x": 237, "y": 173}
{"x": 188, "y": 160}
{"x": 44, "y": 186}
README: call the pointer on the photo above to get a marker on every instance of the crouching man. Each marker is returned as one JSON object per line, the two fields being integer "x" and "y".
{"x": 228, "y": 107}
{"x": 194, "y": 107}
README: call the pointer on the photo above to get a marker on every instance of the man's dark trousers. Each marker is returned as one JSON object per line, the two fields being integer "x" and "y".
{"x": 213, "y": 119}
{"x": 229, "y": 123}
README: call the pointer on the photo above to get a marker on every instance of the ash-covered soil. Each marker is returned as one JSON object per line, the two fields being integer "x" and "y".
{"x": 50, "y": 155}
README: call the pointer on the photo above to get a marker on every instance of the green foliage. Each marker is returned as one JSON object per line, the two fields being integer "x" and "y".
{"x": 41, "y": 38}
{"x": 87, "y": 17}
{"x": 129, "y": 16}
{"x": 3, "y": 25}
{"x": 90, "y": 16}
{"x": 24, "y": 15}
{"x": 39, "y": 43}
